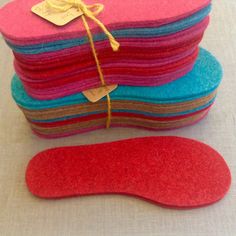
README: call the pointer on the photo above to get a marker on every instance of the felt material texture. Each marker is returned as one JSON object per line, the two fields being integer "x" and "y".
{"x": 174, "y": 105}
{"x": 122, "y": 125}
{"x": 60, "y": 122}
{"x": 104, "y": 47}
{"x": 184, "y": 39}
{"x": 165, "y": 30}
{"x": 77, "y": 126}
{"x": 156, "y": 67}
{"x": 149, "y": 109}
{"x": 170, "y": 171}
{"x": 117, "y": 113}
{"x": 159, "y": 67}
{"x": 125, "y": 14}
{"x": 160, "y": 60}
{"x": 155, "y": 48}
{"x": 201, "y": 81}
{"x": 64, "y": 83}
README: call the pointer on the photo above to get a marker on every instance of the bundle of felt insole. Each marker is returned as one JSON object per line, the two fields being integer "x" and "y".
{"x": 173, "y": 105}
{"x": 158, "y": 44}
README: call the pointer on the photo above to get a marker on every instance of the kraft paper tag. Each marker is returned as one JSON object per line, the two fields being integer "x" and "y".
{"x": 94, "y": 95}
{"x": 55, "y": 16}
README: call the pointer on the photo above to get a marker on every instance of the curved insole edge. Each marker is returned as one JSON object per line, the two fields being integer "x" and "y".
{"x": 135, "y": 32}
{"x": 164, "y": 109}
{"x": 81, "y": 68}
{"x": 145, "y": 113}
{"x": 119, "y": 117}
{"x": 122, "y": 117}
{"x": 122, "y": 15}
{"x": 171, "y": 171}
{"x": 101, "y": 124}
{"x": 126, "y": 42}
{"x": 202, "y": 80}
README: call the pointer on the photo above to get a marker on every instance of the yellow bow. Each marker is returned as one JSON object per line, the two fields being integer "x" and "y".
{"x": 88, "y": 10}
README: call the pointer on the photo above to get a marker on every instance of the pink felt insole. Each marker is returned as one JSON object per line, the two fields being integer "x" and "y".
{"x": 171, "y": 171}
{"x": 117, "y": 14}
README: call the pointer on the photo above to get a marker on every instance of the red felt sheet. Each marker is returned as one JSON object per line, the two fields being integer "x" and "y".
{"x": 171, "y": 171}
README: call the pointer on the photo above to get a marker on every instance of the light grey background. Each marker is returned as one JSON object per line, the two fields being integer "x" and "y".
{"x": 23, "y": 214}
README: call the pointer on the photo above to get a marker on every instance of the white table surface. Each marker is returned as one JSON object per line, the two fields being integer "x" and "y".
{"x": 23, "y": 214}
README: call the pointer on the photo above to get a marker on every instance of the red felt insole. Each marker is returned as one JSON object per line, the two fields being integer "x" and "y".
{"x": 171, "y": 171}
{"x": 105, "y": 56}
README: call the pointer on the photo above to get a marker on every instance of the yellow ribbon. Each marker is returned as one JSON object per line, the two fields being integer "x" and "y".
{"x": 89, "y": 11}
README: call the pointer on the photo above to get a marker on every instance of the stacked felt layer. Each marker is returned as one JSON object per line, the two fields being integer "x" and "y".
{"x": 158, "y": 44}
{"x": 182, "y": 102}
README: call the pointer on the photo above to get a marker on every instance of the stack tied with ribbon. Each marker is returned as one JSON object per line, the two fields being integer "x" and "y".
{"x": 174, "y": 105}
{"x": 80, "y": 67}
{"x": 63, "y": 47}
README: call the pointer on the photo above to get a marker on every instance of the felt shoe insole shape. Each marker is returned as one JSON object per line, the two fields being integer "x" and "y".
{"x": 202, "y": 80}
{"x": 117, "y": 14}
{"x": 171, "y": 171}
{"x": 58, "y": 130}
{"x": 88, "y": 70}
{"x": 148, "y": 109}
{"x": 125, "y": 33}
{"x": 103, "y": 47}
{"x": 133, "y": 75}
{"x": 121, "y": 122}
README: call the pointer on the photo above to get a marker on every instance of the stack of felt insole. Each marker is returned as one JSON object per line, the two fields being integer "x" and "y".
{"x": 180, "y": 103}
{"x": 164, "y": 80}
{"x": 158, "y": 44}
